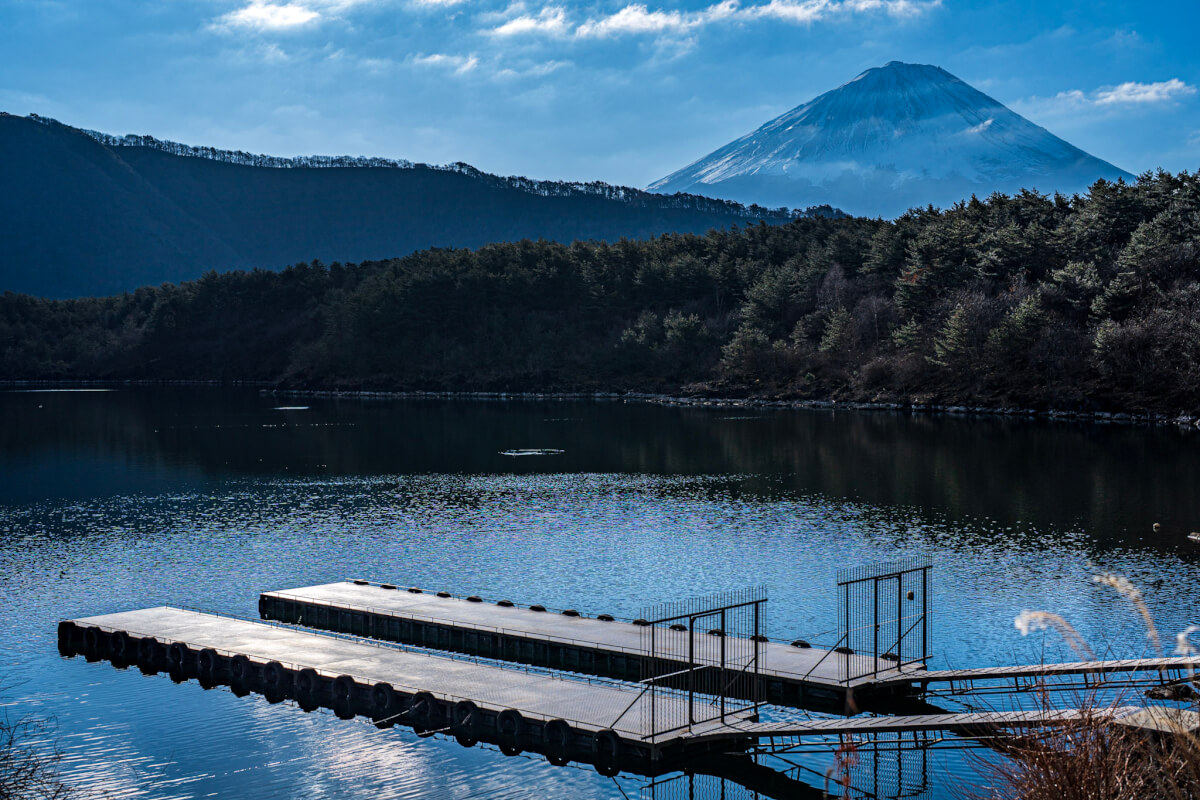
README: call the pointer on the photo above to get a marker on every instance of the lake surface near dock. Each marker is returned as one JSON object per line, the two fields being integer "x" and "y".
{"x": 117, "y": 500}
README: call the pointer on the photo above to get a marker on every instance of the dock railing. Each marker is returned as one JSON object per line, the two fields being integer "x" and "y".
{"x": 884, "y": 617}
{"x": 722, "y": 638}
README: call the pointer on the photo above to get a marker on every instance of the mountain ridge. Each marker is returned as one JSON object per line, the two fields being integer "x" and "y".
{"x": 86, "y": 213}
{"x": 893, "y": 137}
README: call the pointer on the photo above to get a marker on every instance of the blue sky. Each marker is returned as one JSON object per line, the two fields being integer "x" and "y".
{"x": 613, "y": 90}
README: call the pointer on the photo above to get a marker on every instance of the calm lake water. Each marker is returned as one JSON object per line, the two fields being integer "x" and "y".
{"x": 117, "y": 500}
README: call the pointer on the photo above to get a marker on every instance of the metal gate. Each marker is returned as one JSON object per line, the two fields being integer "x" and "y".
{"x": 884, "y": 617}
{"x": 702, "y": 659}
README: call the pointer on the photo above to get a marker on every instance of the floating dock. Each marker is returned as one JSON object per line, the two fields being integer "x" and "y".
{"x": 800, "y": 676}
{"x": 600, "y": 722}
{"x": 679, "y": 690}
{"x": 615, "y": 727}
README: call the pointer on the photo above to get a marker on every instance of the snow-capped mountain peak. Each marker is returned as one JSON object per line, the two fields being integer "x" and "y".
{"x": 893, "y": 137}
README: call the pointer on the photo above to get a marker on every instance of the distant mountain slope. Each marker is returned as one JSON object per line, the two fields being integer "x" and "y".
{"x": 897, "y": 136}
{"x": 83, "y": 213}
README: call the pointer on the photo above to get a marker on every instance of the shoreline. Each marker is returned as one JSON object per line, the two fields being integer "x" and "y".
{"x": 651, "y": 398}
{"x": 1182, "y": 421}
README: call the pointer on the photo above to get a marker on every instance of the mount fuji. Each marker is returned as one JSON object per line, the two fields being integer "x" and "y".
{"x": 897, "y": 136}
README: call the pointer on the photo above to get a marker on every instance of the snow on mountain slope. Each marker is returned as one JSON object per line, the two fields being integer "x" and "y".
{"x": 894, "y": 137}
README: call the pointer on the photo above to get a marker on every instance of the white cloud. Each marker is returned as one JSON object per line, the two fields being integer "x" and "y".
{"x": 550, "y": 21}
{"x": 806, "y": 12}
{"x": 265, "y": 16}
{"x": 515, "y": 8}
{"x": 980, "y": 128}
{"x": 1133, "y": 92}
{"x": 535, "y": 71}
{"x": 895, "y": 8}
{"x": 1125, "y": 40}
{"x": 803, "y": 13}
{"x": 1072, "y": 99}
{"x": 372, "y": 66}
{"x": 274, "y": 54}
{"x": 1061, "y": 104}
{"x": 1109, "y": 98}
{"x": 488, "y": 69}
{"x": 459, "y": 65}
{"x": 638, "y": 19}
{"x": 634, "y": 19}
{"x": 438, "y": 3}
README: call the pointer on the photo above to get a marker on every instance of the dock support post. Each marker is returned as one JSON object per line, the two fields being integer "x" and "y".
{"x": 721, "y": 674}
{"x": 691, "y": 670}
{"x": 653, "y": 687}
{"x": 925, "y": 612}
{"x": 875, "y": 631}
{"x": 758, "y": 690}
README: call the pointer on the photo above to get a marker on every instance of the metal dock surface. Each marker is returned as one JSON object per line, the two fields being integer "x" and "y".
{"x": 806, "y": 677}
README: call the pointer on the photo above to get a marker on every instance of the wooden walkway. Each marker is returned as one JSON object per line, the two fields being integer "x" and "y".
{"x": 805, "y": 677}
{"x": 1160, "y": 666}
{"x": 962, "y": 723}
{"x": 782, "y": 737}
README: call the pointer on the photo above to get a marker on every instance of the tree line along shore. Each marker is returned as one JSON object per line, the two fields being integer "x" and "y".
{"x": 1084, "y": 305}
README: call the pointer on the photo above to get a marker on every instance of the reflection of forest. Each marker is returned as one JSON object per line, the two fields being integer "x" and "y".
{"x": 1006, "y": 471}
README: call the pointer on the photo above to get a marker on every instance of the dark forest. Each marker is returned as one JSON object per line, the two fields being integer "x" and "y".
{"x": 1086, "y": 303}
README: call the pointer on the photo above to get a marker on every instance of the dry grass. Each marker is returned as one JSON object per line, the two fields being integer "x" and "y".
{"x": 1096, "y": 758}
{"x": 845, "y": 759}
{"x": 26, "y": 771}
{"x": 1126, "y": 589}
{"x": 1028, "y": 621}
{"x": 1092, "y": 759}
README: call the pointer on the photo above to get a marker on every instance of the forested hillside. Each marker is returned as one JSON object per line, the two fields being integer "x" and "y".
{"x": 1087, "y": 303}
{"x": 83, "y": 213}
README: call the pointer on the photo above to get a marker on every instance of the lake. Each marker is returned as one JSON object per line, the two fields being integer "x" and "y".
{"x": 203, "y": 497}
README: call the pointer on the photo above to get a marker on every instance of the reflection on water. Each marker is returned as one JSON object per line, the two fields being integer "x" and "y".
{"x": 112, "y": 501}
{"x": 1113, "y": 481}
{"x": 856, "y": 773}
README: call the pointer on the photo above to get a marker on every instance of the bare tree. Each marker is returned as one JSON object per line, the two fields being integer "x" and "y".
{"x": 27, "y": 769}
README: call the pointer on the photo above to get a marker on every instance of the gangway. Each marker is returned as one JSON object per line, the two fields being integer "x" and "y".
{"x": 1067, "y": 676}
